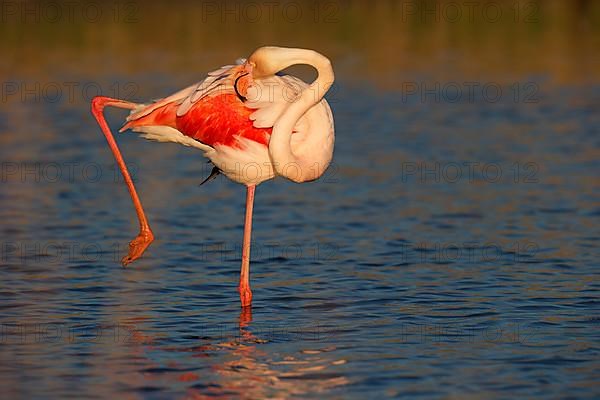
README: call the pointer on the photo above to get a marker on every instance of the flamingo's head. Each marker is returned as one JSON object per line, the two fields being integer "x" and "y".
{"x": 269, "y": 60}
{"x": 266, "y": 61}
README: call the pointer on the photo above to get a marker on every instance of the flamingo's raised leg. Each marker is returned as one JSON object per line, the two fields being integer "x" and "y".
{"x": 244, "y": 287}
{"x": 138, "y": 245}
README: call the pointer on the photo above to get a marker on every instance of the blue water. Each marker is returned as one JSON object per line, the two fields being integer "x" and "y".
{"x": 450, "y": 251}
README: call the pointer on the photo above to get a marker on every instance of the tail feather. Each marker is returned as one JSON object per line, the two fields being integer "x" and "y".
{"x": 164, "y": 115}
{"x": 162, "y": 133}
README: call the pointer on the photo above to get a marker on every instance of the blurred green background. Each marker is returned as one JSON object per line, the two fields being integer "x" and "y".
{"x": 378, "y": 42}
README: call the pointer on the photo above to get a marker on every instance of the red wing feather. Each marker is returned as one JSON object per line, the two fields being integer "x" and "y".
{"x": 220, "y": 120}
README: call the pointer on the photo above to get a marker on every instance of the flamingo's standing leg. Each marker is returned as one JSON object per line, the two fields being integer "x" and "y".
{"x": 244, "y": 287}
{"x": 138, "y": 245}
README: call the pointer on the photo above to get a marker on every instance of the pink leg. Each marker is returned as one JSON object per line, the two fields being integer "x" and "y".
{"x": 138, "y": 245}
{"x": 244, "y": 287}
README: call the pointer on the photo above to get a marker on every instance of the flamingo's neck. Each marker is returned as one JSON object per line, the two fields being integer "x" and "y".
{"x": 272, "y": 60}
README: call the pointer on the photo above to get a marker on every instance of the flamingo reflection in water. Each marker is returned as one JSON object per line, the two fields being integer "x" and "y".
{"x": 248, "y": 371}
{"x": 252, "y": 123}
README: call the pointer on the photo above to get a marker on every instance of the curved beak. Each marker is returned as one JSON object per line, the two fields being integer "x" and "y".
{"x": 237, "y": 92}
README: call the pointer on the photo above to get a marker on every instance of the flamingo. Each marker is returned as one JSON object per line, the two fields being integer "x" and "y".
{"x": 252, "y": 122}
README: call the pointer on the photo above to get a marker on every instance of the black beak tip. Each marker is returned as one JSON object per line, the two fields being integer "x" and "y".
{"x": 242, "y": 98}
